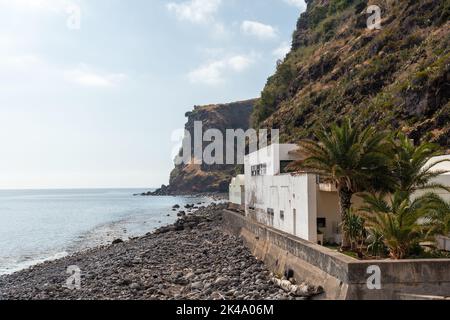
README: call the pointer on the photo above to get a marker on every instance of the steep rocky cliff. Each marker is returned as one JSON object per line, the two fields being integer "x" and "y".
{"x": 191, "y": 178}
{"x": 396, "y": 77}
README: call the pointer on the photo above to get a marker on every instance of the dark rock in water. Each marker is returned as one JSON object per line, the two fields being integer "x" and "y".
{"x": 181, "y": 214}
{"x": 163, "y": 191}
{"x": 117, "y": 241}
{"x": 177, "y": 206}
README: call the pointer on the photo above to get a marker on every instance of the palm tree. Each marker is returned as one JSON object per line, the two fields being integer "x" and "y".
{"x": 397, "y": 219}
{"x": 412, "y": 168}
{"x": 354, "y": 228}
{"x": 352, "y": 158}
{"x": 375, "y": 243}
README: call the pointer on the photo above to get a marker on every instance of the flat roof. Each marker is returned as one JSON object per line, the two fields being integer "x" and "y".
{"x": 286, "y": 147}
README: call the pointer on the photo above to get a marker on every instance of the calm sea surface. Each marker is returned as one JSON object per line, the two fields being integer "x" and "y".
{"x": 37, "y": 225}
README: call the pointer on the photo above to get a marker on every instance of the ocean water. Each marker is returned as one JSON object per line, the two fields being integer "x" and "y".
{"x": 40, "y": 225}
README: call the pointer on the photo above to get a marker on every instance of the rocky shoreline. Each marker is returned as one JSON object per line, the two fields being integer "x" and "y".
{"x": 167, "y": 191}
{"x": 189, "y": 260}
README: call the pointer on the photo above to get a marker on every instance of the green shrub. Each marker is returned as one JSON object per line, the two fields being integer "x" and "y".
{"x": 340, "y": 5}
{"x": 316, "y": 15}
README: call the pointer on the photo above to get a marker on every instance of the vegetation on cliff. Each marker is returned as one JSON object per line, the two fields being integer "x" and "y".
{"x": 395, "y": 77}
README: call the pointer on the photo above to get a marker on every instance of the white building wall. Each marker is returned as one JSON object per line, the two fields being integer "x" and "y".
{"x": 292, "y": 199}
{"x": 299, "y": 197}
{"x": 271, "y": 157}
{"x": 237, "y": 190}
{"x": 443, "y": 179}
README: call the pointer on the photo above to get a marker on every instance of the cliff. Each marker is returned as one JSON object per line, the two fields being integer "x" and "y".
{"x": 396, "y": 77}
{"x": 191, "y": 178}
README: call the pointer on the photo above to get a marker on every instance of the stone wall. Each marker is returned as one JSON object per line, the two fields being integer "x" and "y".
{"x": 342, "y": 277}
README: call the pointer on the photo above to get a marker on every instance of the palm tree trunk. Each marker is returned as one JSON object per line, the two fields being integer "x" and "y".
{"x": 345, "y": 202}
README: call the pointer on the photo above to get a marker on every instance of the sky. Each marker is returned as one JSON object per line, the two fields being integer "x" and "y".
{"x": 92, "y": 91}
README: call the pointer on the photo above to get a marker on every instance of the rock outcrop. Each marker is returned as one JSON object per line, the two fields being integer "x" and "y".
{"x": 193, "y": 178}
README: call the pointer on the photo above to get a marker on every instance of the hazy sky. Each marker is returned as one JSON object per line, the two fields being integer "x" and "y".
{"x": 95, "y": 106}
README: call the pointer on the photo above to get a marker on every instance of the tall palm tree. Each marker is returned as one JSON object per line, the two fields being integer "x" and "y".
{"x": 412, "y": 167}
{"x": 352, "y": 158}
{"x": 397, "y": 218}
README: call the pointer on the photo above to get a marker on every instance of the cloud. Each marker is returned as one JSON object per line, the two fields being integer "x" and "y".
{"x": 297, "y": 3}
{"x": 259, "y": 30}
{"x": 86, "y": 77}
{"x": 196, "y": 11}
{"x": 282, "y": 50}
{"x": 214, "y": 72}
{"x": 239, "y": 63}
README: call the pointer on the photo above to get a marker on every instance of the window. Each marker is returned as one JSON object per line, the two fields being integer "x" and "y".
{"x": 321, "y": 222}
{"x": 284, "y": 165}
{"x": 270, "y": 212}
{"x": 259, "y": 170}
{"x": 281, "y": 214}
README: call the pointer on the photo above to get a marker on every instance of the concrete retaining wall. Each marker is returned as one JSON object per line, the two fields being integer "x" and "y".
{"x": 341, "y": 276}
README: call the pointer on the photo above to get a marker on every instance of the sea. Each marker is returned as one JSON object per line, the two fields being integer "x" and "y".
{"x": 41, "y": 225}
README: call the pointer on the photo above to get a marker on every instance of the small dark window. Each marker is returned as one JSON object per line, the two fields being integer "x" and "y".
{"x": 281, "y": 214}
{"x": 284, "y": 166}
{"x": 321, "y": 222}
{"x": 270, "y": 212}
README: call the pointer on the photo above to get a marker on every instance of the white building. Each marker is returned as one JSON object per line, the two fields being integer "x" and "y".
{"x": 443, "y": 179}
{"x": 237, "y": 191}
{"x": 284, "y": 201}
{"x": 298, "y": 204}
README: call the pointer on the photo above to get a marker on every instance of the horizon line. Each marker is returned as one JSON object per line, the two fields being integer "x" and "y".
{"x": 72, "y": 188}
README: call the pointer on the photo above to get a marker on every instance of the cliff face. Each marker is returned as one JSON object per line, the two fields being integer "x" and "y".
{"x": 396, "y": 77}
{"x": 211, "y": 178}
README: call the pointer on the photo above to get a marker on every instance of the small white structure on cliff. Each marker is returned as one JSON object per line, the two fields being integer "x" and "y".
{"x": 299, "y": 204}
